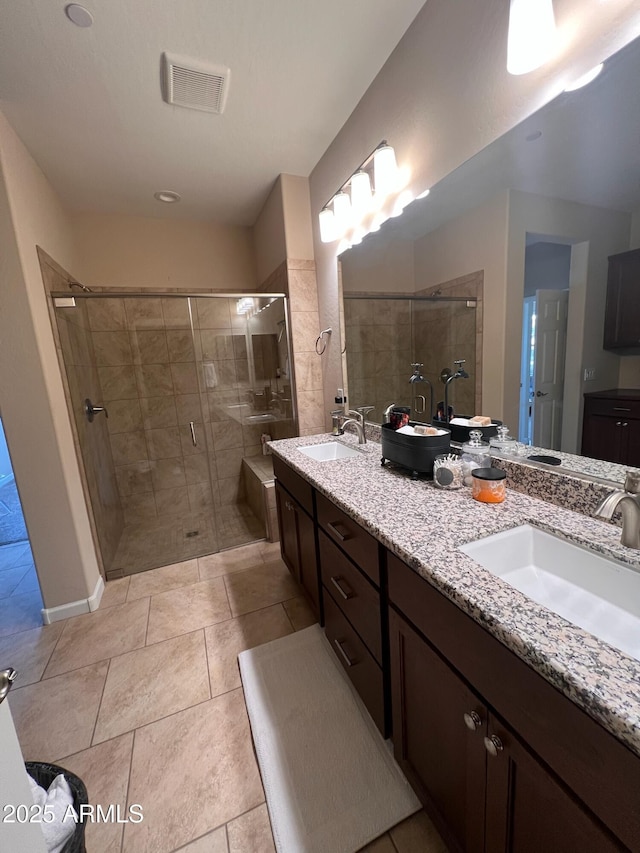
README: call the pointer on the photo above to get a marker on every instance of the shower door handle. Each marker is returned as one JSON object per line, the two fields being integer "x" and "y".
{"x": 424, "y": 404}
{"x": 192, "y": 427}
{"x": 91, "y": 411}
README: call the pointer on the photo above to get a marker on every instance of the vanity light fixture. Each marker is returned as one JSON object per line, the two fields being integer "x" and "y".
{"x": 356, "y": 199}
{"x": 585, "y": 79}
{"x": 532, "y": 35}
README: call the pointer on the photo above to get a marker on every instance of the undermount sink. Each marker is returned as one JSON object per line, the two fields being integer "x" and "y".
{"x": 329, "y": 451}
{"x": 596, "y": 593}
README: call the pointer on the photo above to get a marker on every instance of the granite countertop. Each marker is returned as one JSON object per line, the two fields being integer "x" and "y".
{"x": 425, "y": 526}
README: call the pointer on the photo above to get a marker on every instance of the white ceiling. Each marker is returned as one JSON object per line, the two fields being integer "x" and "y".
{"x": 87, "y": 102}
{"x": 589, "y": 153}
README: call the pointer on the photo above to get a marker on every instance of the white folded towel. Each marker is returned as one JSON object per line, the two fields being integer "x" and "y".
{"x": 210, "y": 375}
{"x": 57, "y": 799}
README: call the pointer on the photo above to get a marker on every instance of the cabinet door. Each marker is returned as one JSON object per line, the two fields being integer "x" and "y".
{"x": 602, "y": 438}
{"x": 622, "y": 311}
{"x": 307, "y": 562}
{"x": 529, "y": 810}
{"x": 288, "y": 524}
{"x": 298, "y": 545}
{"x": 438, "y": 728}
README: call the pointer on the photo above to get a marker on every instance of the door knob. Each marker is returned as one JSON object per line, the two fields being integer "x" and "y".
{"x": 542, "y": 393}
{"x": 7, "y": 677}
{"x": 493, "y": 745}
{"x": 472, "y": 721}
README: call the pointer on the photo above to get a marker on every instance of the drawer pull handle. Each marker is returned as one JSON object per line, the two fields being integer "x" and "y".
{"x": 344, "y": 655}
{"x": 624, "y": 424}
{"x": 620, "y": 409}
{"x": 335, "y": 531}
{"x": 472, "y": 721}
{"x": 618, "y": 423}
{"x": 493, "y": 745}
{"x": 344, "y": 593}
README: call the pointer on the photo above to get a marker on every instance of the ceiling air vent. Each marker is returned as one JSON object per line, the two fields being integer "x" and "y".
{"x": 195, "y": 85}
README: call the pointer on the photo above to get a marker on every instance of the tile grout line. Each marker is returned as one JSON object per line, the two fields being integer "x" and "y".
{"x": 95, "y": 723}
{"x": 126, "y": 793}
{"x": 206, "y": 656}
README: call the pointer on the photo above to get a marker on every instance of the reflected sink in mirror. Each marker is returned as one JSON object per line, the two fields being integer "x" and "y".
{"x": 594, "y": 592}
{"x": 329, "y": 451}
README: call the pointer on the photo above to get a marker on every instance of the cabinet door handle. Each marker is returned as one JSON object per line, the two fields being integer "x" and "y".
{"x": 493, "y": 745}
{"x": 620, "y": 409}
{"x": 346, "y": 594}
{"x": 472, "y": 721}
{"x": 332, "y": 527}
{"x": 288, "y": 505}
{"x": 344, "y": 655}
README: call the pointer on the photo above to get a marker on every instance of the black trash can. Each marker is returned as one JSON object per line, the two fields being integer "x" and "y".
{"x": 44, "y": 774}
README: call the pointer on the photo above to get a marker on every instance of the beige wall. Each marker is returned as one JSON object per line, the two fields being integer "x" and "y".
{"x": 475, "y": 241}
{"x": 138, "y": 252}
{"x": 296, "y": 210}
{"x": 629, "y": 376}
{"x": 443, "y": 95}
{"x": 268, "y": 234}
{"x": 34, "y": 410}
{"x": 595, "y": 233}
{"x": 380, "y": 267}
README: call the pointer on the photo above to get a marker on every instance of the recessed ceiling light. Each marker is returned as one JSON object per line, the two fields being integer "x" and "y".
{"x": 585, "y": 79}
{"x": 531, "y": 137}
{"x": 78, "y": 15}
{"x": 167, "y": 196}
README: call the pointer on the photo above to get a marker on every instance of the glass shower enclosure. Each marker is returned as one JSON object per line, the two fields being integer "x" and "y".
{"x": 170, "y": 395}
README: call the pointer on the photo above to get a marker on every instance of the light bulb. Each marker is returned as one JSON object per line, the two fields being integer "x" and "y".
{"x": 385, "y": 170}
{"x": 532, "y": 35}
{"x": 327, "y": 221}
{"x": 342, "y": 212}
{"x": 360, "y": 195}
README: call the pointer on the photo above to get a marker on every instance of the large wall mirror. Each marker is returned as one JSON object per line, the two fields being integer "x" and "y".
{"x": 522, "y": 230}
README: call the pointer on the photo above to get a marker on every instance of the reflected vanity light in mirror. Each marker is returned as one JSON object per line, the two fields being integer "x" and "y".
{"x": 585, "y": 79}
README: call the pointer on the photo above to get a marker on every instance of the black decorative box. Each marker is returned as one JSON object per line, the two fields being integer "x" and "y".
{"x": 414, "y": 452}
{"x": 461, "y": 433}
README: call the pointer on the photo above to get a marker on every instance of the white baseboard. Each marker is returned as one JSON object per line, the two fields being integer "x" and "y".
{"x": 74, "y": 608}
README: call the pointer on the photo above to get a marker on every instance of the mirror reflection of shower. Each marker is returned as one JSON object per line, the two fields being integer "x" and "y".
{"x": 387, "y": 335}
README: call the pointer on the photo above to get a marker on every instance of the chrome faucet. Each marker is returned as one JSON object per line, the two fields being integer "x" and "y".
{"x": 459, "y": 373}
{"x": 339, "y": 421}
{"x": 628, "y": 501}
{"x": 386, "y": 416}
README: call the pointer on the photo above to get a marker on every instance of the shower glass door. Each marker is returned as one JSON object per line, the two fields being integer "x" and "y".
{"x": 147, "y": 466}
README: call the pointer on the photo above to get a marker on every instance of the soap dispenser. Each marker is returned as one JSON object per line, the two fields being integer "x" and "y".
{"x": 475, "y": 454}
{"x": 503, "y": 441}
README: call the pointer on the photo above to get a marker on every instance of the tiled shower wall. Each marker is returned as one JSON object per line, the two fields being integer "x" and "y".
{"x": 384, "y": 336}
{"x": 151, "y": 372}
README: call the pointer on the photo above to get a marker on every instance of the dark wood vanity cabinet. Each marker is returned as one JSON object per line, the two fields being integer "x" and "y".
{"x": 500, "y": 758}
{"x": 298, "y": 532}
{"x": 611, "y": 426}
{"x": 622, "y": 310}
{"x": 548, "y": 779}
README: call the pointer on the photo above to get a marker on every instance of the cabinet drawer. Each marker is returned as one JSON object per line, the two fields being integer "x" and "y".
{"x": 364, "y": 672}
{"x": 353, "y": 539}
{"x": 294, "y": 484}
{"x": 353, "y": 593}
{"x": 614, "y": 408}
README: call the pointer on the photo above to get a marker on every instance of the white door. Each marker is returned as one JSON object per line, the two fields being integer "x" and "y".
{"x": 16, "y": 834}
{"x": 551, "y": 341}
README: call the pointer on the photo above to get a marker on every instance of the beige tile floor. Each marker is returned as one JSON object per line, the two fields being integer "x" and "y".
{"x": 142, "y": 699}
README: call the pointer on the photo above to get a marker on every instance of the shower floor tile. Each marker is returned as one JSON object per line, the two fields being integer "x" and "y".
{"x": 151, "y": 543}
